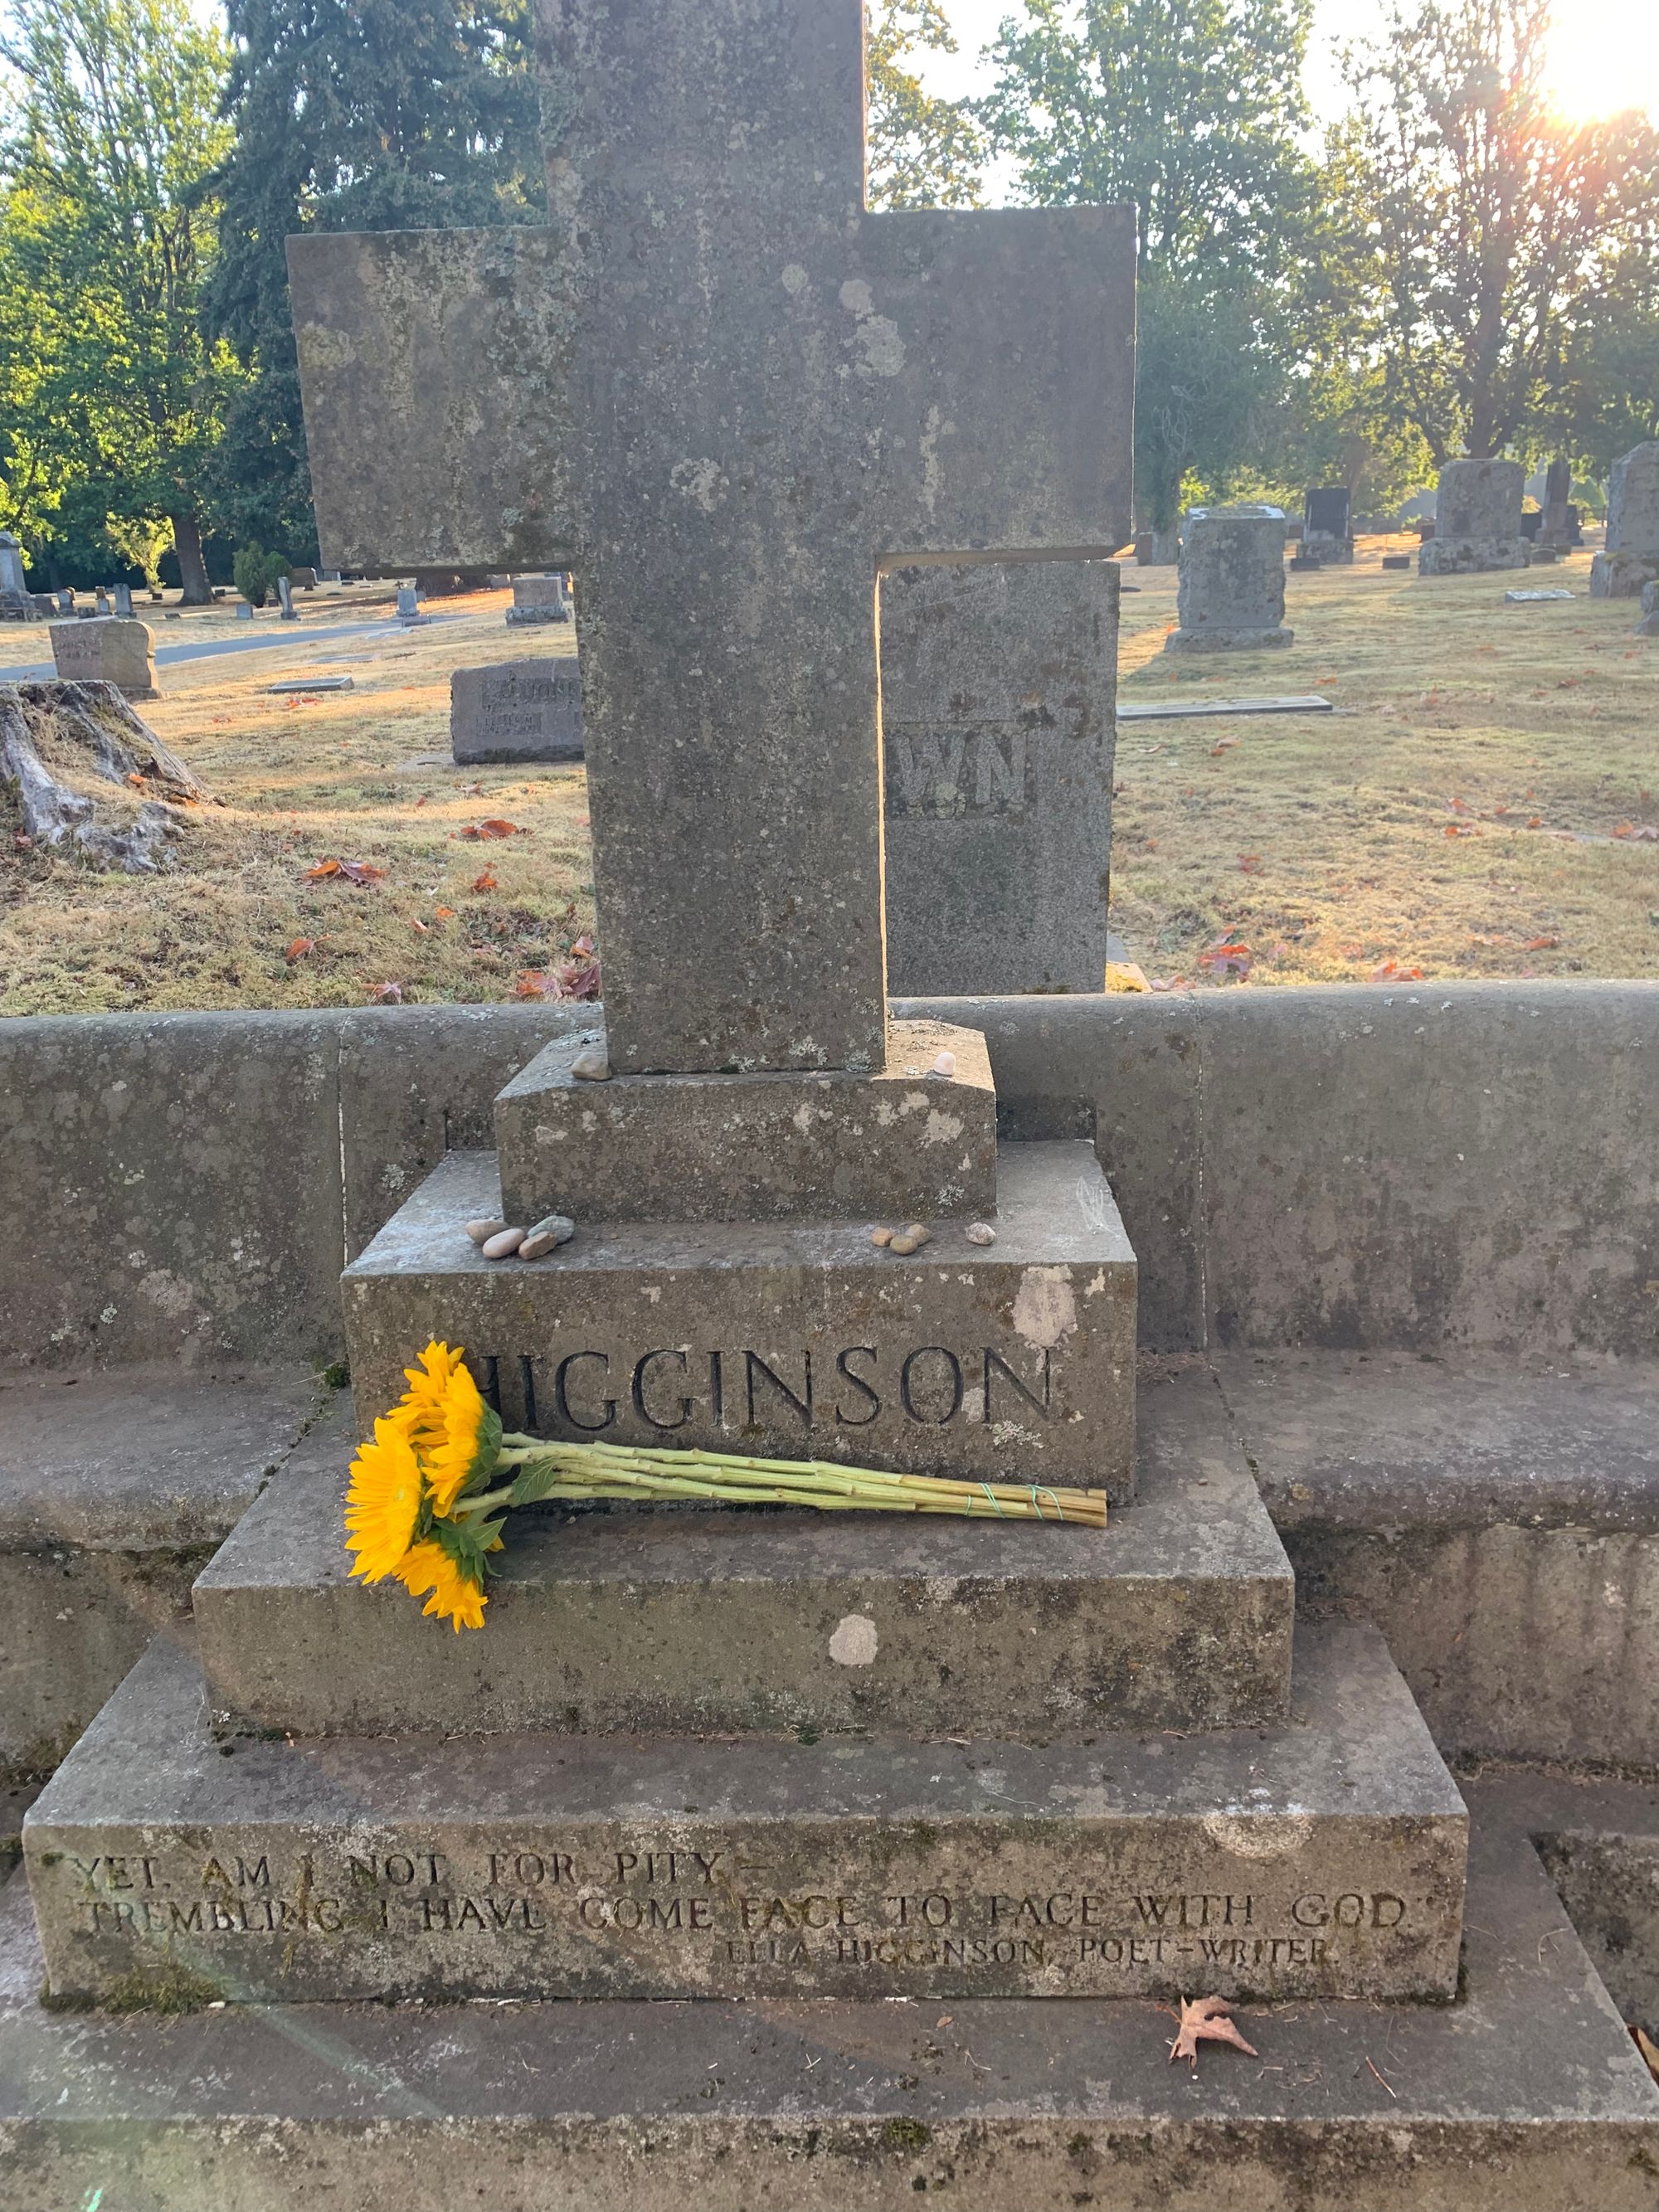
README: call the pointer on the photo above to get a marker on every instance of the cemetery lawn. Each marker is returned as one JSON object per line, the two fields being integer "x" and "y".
{"x": 363, "y": 776}
{"x": 1321, "y": 843}
{"x": 1473, "y": 807}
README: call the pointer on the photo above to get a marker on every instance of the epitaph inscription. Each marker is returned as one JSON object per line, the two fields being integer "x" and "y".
{"x": 516, "y": 710}
{"x": 518, "y": 1907}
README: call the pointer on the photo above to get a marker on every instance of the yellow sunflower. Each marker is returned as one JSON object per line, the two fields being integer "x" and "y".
{"x": 455, "y": 1596}
{"x": 419, "y": 1412}
{"x": 454, "y": 1453}
{"x": 384, "y": 1502}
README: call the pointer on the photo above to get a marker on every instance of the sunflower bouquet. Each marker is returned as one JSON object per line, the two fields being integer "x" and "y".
{"x": 431, "y": 1491}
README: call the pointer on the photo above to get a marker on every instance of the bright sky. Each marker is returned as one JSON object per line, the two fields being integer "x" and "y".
{"x": 1606, "y": 52}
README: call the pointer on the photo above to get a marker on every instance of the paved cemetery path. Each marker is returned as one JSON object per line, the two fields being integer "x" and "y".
{"x": 206, "y": 648}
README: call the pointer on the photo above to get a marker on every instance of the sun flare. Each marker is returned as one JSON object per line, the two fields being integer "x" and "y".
{"x": 1604, "y": 57}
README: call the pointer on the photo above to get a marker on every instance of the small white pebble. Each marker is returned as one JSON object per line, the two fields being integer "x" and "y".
{"x": 980, "y": 1232}
{"x": 482, "y": 1231}
{"x": 592, "y": 1065}
{"x": 945, "y": 1065}
{"x": 503, "y": 1245}
{"x": 881, "y": 1236}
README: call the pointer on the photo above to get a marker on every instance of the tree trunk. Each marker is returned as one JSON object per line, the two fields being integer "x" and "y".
{"x": 192, "y": 571}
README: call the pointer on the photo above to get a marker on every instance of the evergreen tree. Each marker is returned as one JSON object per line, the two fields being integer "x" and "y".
{"x": 351, "y": 115}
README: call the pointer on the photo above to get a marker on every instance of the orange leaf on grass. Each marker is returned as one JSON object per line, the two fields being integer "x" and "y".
{"x": 1227, "y": 956}
{"x": 1392, "y": 972}
{"x": 1541, "y": 944}
{"x": 385, "y": 994}
{"x": 496, "y": 827}
{"x": 444, "y": 913}
{"x": 299, "y": 949}
{"x": 485, "y": 882}
{"x": 1249, "y": 864}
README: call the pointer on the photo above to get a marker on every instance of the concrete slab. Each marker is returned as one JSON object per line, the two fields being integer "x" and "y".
{"x": 896, "y": 1146}
{"x": 114, "y": 1488}
{"x": 788, "y": 1338}
{"x": 1185, "y": 710}
{"x": 676, "y": 1619}
{"x": 1500, "y": 1523}
{"x": 1527, "y": 2095}
{"x": 1323, "y": 1858}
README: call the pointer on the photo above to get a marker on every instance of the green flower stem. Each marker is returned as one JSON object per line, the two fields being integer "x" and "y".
{"x": 605, "y": 1471}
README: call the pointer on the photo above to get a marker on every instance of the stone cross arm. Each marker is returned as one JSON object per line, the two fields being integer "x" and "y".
{"x": 990, "y": 358}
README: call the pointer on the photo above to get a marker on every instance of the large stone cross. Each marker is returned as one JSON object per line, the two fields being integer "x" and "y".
{"x": 725, "y": 393}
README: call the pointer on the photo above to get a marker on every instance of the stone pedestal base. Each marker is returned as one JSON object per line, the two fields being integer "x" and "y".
{"x": 787, "y": 1340}
{"x": 1226, "y": 640}
{"x": 1468, "y": 557}
{"x": 1322, "y": 1859}
{"x": 521, "y": 617}
{"x": 905, "y": 1144}
{"x": 1622, "y": 575}
{"x": 664, "y": 1620}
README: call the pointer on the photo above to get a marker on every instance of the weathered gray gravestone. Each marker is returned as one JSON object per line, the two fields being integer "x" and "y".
{"x": 837, "y": 390}
{"x": 997, "y": 682}
{"x": 285, "y": 601}
{"x": 516, "y": 710}
{"x": 124, "y": 600}
{"x": 1230, "y": 596}
{"x": 16, "y": 601}
{"x": 1631, "y": 561}
{"x": 106, "y": 650}
{"x": 737, "y": 394}
{"x": 539, "y": 599}
{"x": 1477, "y": 520}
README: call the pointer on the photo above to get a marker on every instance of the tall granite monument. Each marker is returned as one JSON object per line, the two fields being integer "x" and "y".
{"x": 1477, "y": 520}
{"x": 740, "y": 393}
{"x": 1630, "y": 560}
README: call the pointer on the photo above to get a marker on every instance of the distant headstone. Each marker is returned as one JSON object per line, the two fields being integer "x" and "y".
{"x": 409, "y": 602}
{"x": 285, "y": 595}
{"x": 16, "y": 603}
{"x": 303, "y": 579}
{"x": 1631, "y": 561}
{"x": 1230, "y": 596}
{"x": 66, "y": 602}
{"x": 1396, "y": 560}
{"x": 244, "y": 611}
{"x": 1326, "y": 525}
{"x": 104, "y": 606}
{"x": 106, "y": 650}
{"x": 1531, "y": 523}
{"x": 1477, "y": 521}
{"x": 539, "y": 599}
{"x": 1649, "y": 625}
{"x": 123, "y": 596}
{"x": 328, "y": 576}
{"x": 998, "y": 681}
{"x": 516, "y": 710}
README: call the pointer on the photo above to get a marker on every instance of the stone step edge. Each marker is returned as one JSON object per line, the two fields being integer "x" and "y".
{"x": 1527, "y": 2092}
{"x": 1324, "y": 1859}
{"x": 1181, "y": 1615}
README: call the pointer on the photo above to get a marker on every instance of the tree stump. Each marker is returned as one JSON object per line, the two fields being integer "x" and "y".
{"x": 90, "y": 772}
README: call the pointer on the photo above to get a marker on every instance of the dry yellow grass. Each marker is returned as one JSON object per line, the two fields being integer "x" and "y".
{"x": 357, "y": 775}
{"x": 1321, "y": 841}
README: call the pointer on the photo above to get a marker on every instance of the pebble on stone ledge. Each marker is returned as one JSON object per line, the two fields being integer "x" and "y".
{"x": 592, "y": 1065}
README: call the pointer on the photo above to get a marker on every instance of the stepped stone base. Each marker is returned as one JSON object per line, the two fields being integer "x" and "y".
{"x": 670, "y": 1619}
{"x": 1325, "y": 1859}
{"x": 788, "y": 1340}
{"x": 1227, "y": 640}
{"x": 764, "y": 1147}
{"x": 1622, "y": 575}
{"x": 1527, "y": 2095}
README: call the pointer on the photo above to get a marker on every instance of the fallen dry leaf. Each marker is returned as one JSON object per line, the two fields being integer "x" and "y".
{"x": 496, "y": 827}
{"x": 1541, "y": 944}
{"x": 484, "y": 883}
{"x": 1461, "y": 830}
{"x": 444, "y": 913}
{"x": 1649, "y": 2048}
{"x": 1227, "y": 956}
{"x": 1205, "y": 2020}
{"x": 299, "y": 949}
{"x": 1222, "y": 745}
{"x": 1249, "y": 864}
{"x": 385, "y": 994}
{"x": 1392, "y": 972}
{"x": 351, "y": 871}
{"x": 419, "y": 924}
